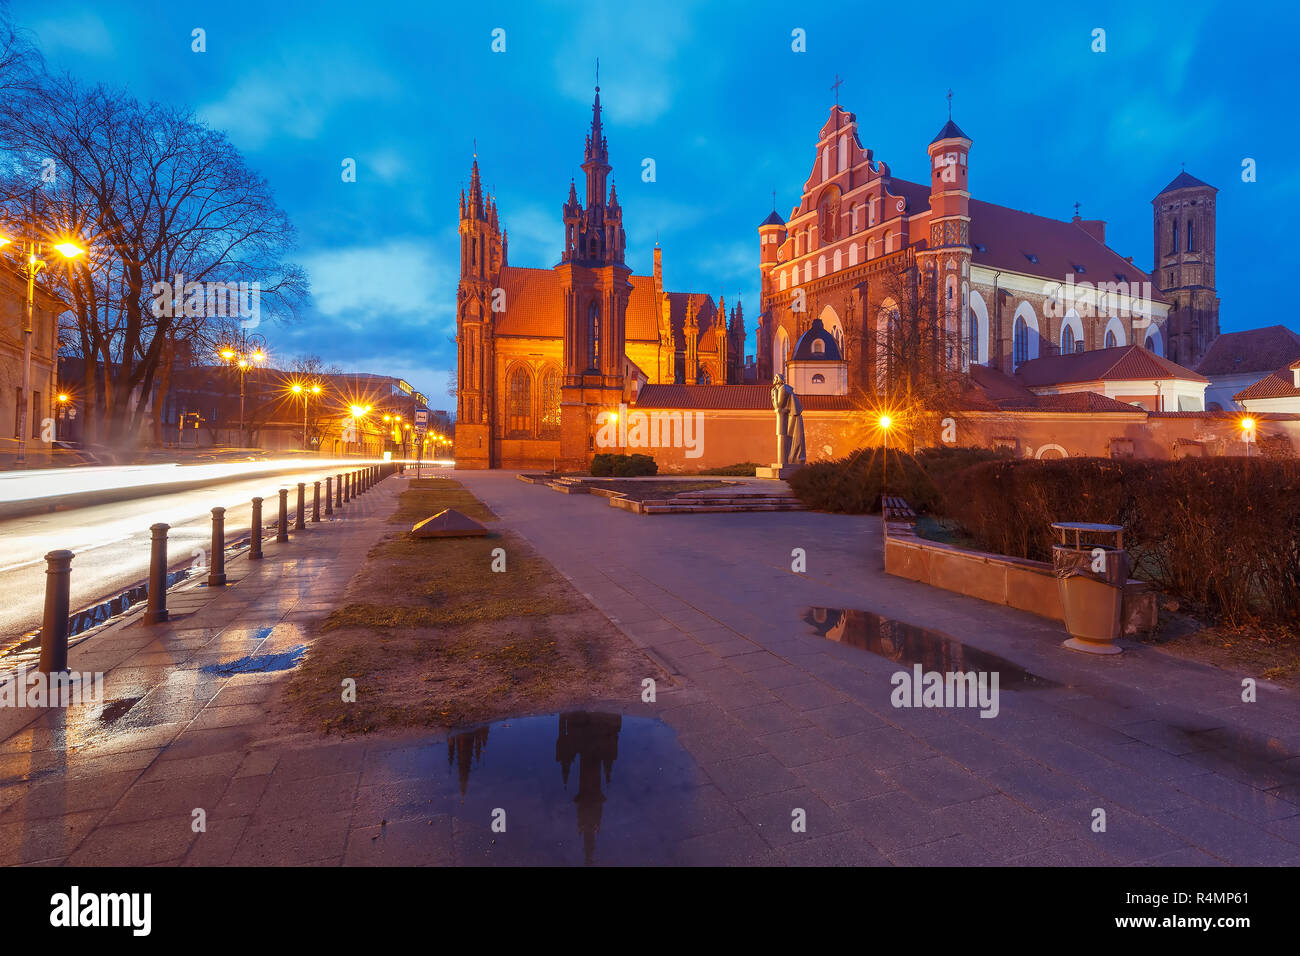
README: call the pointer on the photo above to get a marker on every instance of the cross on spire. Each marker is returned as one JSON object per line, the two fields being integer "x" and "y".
{"x": 476, "y": 147}
{"x": 836, "y": 87}
{"x": 1076, "y": 210}
{"x": 597, "y": 74}
{"x": 949, "y": 104}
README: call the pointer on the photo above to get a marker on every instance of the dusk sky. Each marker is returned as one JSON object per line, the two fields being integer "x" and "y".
{"x": 715, "y": 95}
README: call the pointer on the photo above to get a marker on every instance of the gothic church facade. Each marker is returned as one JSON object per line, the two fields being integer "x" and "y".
{"x": 541, "y": 352}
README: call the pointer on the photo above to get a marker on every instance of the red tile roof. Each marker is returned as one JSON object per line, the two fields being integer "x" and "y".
{"x": 1229, "y": 416}
{"x": 1004, "y": 238}
{"x": 735, "y": 397}
{"x": 1253, "y": 350}
{"x": 993, "y": 390}
{"x": 1125, "y": 363}
{"x": 1279, "y": 384}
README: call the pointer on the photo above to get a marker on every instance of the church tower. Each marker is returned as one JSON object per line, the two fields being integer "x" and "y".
{"x": 482, "y": 256}
{"x": 595, "y": 290}
{"x": 736, "y": 375}
{"x": 1183, "y": 216}
{"x": 947, "y": 258}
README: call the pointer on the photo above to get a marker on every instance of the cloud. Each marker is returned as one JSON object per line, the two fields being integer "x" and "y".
{"x": 361, "y": 284}
{"x": 80, "y": 32}
{"x": 295, "y": 96}
{"x": 643, "y": 42}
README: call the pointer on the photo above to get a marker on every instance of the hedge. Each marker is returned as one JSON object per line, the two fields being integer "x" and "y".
{"x": 1222, "y": 534}
{"x": 623, "y": 466}
{"x": 853, "y": 484}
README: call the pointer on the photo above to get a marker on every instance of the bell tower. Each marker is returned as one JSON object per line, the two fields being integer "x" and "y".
{"x": 948, "y": 254}
{"x": 482, "y": 255}
{"x": 596, "y": 289}
{"x": 1183, "y": 217}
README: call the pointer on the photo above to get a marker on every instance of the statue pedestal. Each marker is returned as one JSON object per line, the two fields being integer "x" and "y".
{"x": 776, "y": 471}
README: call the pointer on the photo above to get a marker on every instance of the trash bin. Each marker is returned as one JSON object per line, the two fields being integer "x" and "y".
{"x": 1092, "y": 568}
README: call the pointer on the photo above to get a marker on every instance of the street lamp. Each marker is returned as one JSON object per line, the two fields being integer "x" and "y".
{"x": 358, "y": 412}
{"x": 885, "y": 422}
{"x": 68, "y": 250}
{"x": 242, "y": 359}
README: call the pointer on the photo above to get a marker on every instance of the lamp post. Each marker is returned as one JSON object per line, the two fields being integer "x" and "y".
{"x": 243, "y": 359}
{"x": 35, "y": 263}
{"x": 885, "y": 423}
{"x": 358, "y": 413}
{"x": 306, "y": 392}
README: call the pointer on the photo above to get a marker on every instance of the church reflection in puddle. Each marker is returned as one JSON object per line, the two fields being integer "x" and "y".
{"x": 909, "y": 644}
{"x": 556, "y": 779}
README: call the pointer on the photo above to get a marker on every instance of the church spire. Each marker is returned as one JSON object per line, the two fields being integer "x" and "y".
{"x": 475, "y": 191}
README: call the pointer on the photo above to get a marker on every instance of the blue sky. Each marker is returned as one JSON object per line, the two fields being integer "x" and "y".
{"x": 714, "y": 93}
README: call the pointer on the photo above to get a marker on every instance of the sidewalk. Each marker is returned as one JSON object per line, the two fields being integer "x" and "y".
{"x": 120, "y": 787}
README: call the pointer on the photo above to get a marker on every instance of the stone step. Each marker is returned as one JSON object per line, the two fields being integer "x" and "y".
{"x": 672, "y": 507}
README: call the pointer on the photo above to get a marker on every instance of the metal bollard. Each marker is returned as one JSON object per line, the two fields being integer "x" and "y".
{"x": 315, "y": 501}
{"x": 156, "y": 612}
{"x": 346, "y": 480}
{"x": 300, "y": 519}
{"x": 329, "y": 495}
{"x": 338, "y": 490}
{"x": 217, "y": 576}
{"x": 282, "y": 532}
{"x": 255, "y": 542}
{"x": 54, "y": 626}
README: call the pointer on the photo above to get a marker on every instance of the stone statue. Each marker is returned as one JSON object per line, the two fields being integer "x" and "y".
{"x": 789, "y": 424}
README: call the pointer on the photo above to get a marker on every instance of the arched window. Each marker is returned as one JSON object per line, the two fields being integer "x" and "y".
{"x": 1191, "y": 237}
{"x": 519, "y": 404}
{"x": 819, "y": 379}
{"x": 704, "y": 377}
{"x": 1020, "y": 343}
{"x": 819, "y": 347}
{"x": 549, "y": 408}
{"x": 1173, "y": 247}
{"x": 593, "y": 324}
{"x": 1111, "y": 341}
{"x": 1067, "y": 340}
{"x": 837, "y": 262}
{"x": 821, "y": 266}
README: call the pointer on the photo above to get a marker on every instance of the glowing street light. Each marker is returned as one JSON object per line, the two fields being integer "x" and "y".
{"x": 242, "y": 360}
{"x": 69, "y": 250}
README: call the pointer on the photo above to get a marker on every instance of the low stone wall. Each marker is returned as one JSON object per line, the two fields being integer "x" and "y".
{"x": 1025, "y": 585}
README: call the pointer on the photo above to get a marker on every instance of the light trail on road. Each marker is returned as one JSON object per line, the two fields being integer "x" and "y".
{"x": 111, "y": 541}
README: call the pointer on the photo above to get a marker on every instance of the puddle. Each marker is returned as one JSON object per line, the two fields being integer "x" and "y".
{"x": 576, "y": 788}
{"x": 115, "y": 709}
{"x": 909, "y": 644}
{"x": 259, "y": 663}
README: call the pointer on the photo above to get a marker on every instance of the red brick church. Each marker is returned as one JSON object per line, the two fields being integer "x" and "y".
{"x": 540, "y": 352}
{"x": 866, "y": 251}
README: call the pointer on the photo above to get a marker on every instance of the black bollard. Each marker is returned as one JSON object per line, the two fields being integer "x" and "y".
{"x": 329, "y": 495}
{"x": 282, "y": 532}
{"x": 315, "y": 501}
{"x": 217, "y": 576}
{"x": 338, "y": 491}
{"x": 255, "y": 542}
{"x": 54, "y": 626}
{"x": 300, "y": 519}
{"x": 156, "y": 612}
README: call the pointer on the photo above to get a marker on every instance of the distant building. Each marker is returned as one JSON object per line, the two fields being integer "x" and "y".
{"x": 42, "y": 398}
{"x": 1237, "y": 360}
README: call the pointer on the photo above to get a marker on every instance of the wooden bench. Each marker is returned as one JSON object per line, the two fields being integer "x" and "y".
{"x": 894, "y": 508}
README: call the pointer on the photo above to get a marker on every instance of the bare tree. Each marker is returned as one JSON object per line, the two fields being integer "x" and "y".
{"x": 175, "y": 224}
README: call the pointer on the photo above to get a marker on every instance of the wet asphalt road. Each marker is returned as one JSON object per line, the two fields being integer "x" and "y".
{"x": 111, "y": 541}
